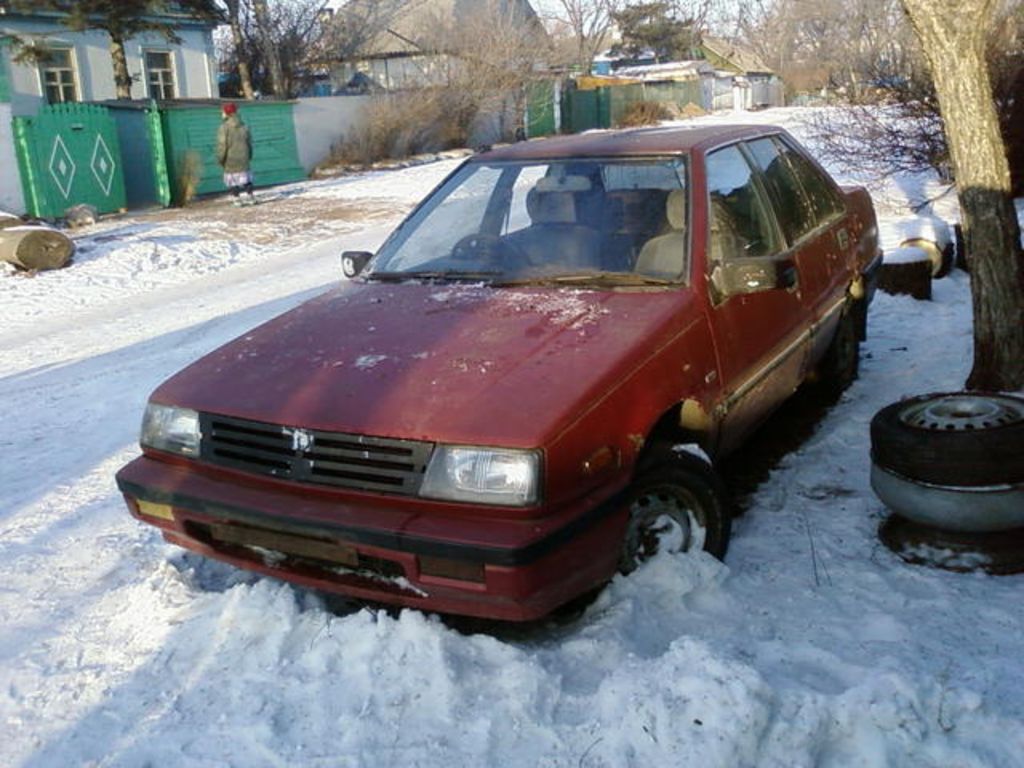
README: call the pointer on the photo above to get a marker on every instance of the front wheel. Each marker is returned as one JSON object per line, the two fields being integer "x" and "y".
{"x": 676, "y": 504}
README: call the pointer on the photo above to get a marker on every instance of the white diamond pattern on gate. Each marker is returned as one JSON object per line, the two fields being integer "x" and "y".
{"x": 62, "y": 167}
{"x": 103, "y": 165}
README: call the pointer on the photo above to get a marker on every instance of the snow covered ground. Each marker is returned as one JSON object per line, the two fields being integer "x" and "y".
{"x": 812, "y": 646}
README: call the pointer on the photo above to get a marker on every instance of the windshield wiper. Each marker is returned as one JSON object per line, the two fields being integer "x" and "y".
{"x": 593, "y": 278}
{"x": 446, "y": 274}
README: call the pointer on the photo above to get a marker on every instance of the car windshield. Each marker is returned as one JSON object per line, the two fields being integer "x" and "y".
{"x": 573, "y": 222}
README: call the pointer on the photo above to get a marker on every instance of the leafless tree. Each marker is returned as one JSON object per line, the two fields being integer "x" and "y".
{"x": 588, "y": 23}
{"x": 953, "y": 35}
{"x": 489, "y": 57}
{"x": 272, "y": 43}
{"x": 234, "y": 16}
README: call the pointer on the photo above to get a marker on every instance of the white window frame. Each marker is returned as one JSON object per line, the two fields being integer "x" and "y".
{"x": 76, "y": 83}
{"x": 172, "y": 69}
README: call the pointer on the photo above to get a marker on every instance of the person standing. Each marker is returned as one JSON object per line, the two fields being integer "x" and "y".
{"x": 234, "y": 154}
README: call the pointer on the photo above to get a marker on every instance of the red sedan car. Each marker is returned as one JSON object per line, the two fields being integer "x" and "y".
{"x": 491, "y": 417}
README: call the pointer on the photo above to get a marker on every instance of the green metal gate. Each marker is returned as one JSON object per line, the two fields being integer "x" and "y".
{"x": 190, "y": 143}
{"x": 540, "y": 108}
{"x": 69, "y": 154}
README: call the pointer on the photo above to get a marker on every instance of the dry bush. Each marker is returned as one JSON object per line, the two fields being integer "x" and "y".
{"x": 190, "y": 173}
{"x": 691, "y": 110}
{"x": 645, "y": 113}
{"x": 407, "y": 124}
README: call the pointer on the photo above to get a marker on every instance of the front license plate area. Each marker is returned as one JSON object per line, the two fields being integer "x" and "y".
{"x": 285, "y": 543}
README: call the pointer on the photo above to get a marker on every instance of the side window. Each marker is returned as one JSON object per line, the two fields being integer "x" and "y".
{"x": 826, "y": 200}
{"x": 740, "y": 222}
{"x": 793, "y": 206}
{"x": 804, "y": 197}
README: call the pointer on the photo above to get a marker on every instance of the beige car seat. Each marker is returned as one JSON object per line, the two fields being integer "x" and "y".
{"x": 663, "y": 256}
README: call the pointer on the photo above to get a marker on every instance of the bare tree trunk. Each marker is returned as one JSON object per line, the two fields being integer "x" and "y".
{"x": 952, "y": 34}
{"x": 244, "y": 76}
{"x": 122, "y": 80}
{"x": 269, "y": 49}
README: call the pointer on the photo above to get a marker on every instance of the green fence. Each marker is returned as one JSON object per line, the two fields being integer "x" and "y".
{"x": 140, "y": 134}
{"x": 190, "y": 142}
{"x": 69, "y": 154}
{"x": 585, "y": 110}
{"x": 5, "y": 91}
{"x": 540, "y": 109}
{"x": 605, "y": 107}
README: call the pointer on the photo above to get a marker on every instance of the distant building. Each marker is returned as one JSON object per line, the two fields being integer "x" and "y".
{"x": 742, "y": 80}
{"x": 406, "y": 54}
{"x": 77, "y": 65}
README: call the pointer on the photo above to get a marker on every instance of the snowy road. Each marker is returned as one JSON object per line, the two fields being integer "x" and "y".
{"x": 812, "y": 646}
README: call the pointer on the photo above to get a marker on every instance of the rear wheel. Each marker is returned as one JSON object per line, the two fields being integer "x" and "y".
{"x": 677, "y": 504}
{"x": 839, "y": 367}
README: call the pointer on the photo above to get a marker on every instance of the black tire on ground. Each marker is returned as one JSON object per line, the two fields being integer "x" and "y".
{"x": 961, "y": 250}
{"x": 838, "y": 368}
{"x": 952, "y": 439}
{"x": 996, "y": 552}
{"x": 676, "y": 500}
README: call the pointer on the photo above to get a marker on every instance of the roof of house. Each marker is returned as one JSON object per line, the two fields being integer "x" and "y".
{"x": 669, "y": 70}
{"x": 734, "y": 56}
{"x": 408, "y": 32}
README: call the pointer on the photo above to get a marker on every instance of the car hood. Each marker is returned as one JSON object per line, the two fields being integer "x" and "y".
{"x": 451, "y": 363}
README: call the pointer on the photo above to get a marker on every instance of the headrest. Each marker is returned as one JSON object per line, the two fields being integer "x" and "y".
{"x": 675, "y": 209}
{"x": 551, "y": 207}
{"x": 563, "y": 184}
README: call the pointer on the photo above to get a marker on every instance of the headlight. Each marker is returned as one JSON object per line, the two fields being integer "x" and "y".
{"x": 483, "y": 475}
{"x": 168, "y": 428}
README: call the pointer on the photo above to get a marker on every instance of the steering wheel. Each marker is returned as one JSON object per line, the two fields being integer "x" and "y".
{"x": 488, "y": 251}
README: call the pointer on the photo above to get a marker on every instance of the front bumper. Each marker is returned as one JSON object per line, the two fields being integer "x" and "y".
{"x": 383, "y": 549}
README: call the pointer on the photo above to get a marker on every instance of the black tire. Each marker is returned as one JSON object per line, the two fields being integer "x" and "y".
{"x": 685, "y": 489}
{"x": 841, "y": 363}
{"x": 961, "y": 250}
{"x": 952, "y": 439}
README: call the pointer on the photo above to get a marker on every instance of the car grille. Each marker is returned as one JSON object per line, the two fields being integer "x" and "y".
{"x": 315, "y": 456}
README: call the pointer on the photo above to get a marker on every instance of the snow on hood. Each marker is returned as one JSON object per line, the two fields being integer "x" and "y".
{"x": 457, "y": 363}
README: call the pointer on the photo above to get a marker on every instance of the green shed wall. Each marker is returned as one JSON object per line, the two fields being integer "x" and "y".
{"x": 190, "y": 139}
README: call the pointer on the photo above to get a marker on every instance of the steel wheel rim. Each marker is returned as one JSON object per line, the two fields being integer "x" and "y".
{"x": 663, "y": 518}
{"x": 963, "y": 412}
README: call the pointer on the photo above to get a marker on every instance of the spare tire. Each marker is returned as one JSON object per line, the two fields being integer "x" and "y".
{"x": 964, "y": 439}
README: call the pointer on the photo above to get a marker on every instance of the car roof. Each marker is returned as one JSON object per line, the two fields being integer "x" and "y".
{"x": 668, "y": 140}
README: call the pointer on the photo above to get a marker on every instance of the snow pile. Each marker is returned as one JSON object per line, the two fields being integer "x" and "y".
{"x": 812, "y": 646}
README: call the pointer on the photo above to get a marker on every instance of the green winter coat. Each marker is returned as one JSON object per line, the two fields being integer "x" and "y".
{"x": 234, "y": 148}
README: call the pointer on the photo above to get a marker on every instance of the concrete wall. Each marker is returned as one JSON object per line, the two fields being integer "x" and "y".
{"x": 323, "y": 122}
{"x": 193, "y": 59}
{"x": 10, "y": 180}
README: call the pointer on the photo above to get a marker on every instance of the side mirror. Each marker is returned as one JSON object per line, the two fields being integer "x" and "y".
{"x": 354, "y": 262}
{"x": 752, "y": 275}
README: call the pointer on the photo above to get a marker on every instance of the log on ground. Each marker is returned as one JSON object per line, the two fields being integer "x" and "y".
{"x": 29, "y": 247}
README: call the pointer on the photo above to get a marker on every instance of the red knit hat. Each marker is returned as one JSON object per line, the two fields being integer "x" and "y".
{"x": 230, "y": 108}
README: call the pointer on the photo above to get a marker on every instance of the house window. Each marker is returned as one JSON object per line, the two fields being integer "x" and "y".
{"x": 57, "y": 69}
{"x": 159, "y": 75}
